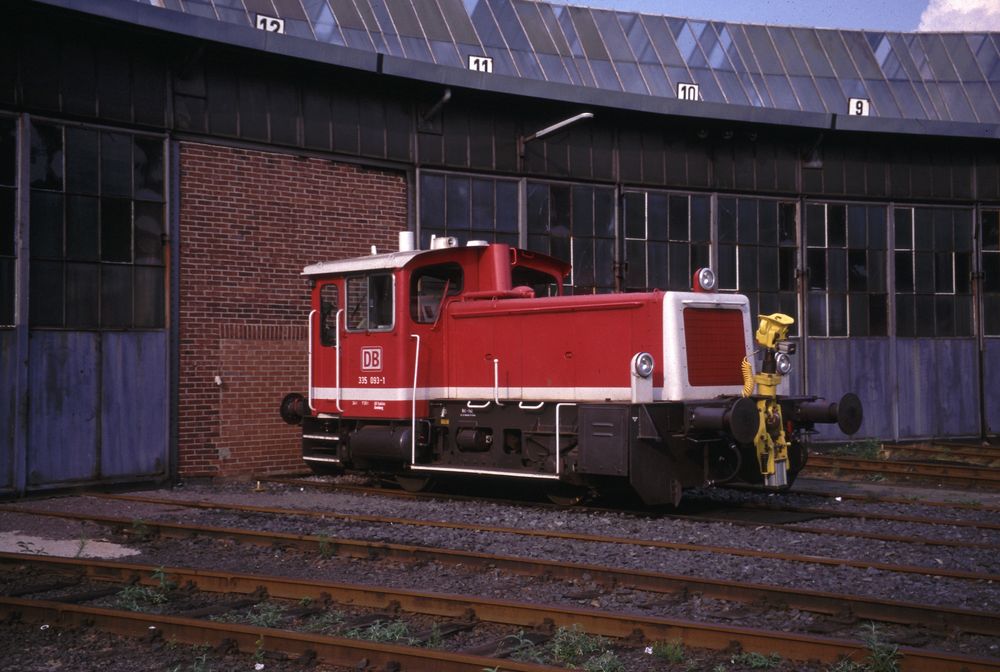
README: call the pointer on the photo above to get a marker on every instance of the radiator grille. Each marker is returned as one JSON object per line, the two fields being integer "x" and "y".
{"x": 715, "y": 346}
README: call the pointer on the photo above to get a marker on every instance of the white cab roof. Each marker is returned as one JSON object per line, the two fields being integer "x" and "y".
{"x": 372, "y": 262}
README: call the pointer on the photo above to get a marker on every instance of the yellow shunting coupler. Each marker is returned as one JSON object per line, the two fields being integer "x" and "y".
{"x": 770, "y": 442}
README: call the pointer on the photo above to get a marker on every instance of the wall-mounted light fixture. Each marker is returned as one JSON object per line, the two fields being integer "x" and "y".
{"x": 548, "y": 130}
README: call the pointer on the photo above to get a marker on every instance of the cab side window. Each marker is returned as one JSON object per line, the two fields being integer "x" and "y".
{"x": 370, "y": 304}
{"x": 429, "y": 286}
{"x": 543, "y": 283}
{"x": 328, "y": 303}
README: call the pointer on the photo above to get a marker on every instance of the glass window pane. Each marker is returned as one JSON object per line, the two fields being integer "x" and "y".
{"x": 878, "y": 315}
{"x": 904, "y": 271}
{"x": 656, "y": 266}
{"x": 46, "y": 225}
{"x": 507, "y": 206}
{"x": 836, "y": 225}
{"x": 6, "y": 291}
{"x": 116, "y": 296}
{"x": 815, "y": 225}
{"x": 148, "y": 309}
{"x": 148, "y": 233}
{"x": 46, "y": 157}
{"x": 116, "y": 164}
{"x": 747, "y": 221}
{"x": 817, "y": 314}
{"x": 700, "y": 221}
{"x": 903, "y": 229}
{"x": 431, "y": 201}
{"x": 604, "y": 212}
{"x": 859, "y": 310}
{"x": 727, "y": 220}
{"x": 45, "y": 305}
{"x": 837, "y": 307}
{"x": 857, "y": 271}
{"x": 82, "y": 295}
{"x": 583, "y": 211}
{"x": 816, "y": 265}
{"x": 727, "y": 267}
{"x": 836, "y": 270}
{"x": 538, "y": 208}
{"x": 81, "y": 161}
{"x": 583, "y": 262}
{"x": 482, "y": 205}
{"x": 116, "y": 230}
{"x": 7, "y": 209}
{"x": 82, "y": 238}
{"x": 148, "y": 168}
{"x": 559, "y": 211}
{"x": 680, "y": 273}
{"x": 944, "y": 272}
{"x": 876, "y": 228}
{"x": 747, "y": 269}
{"x": 923, "y": 229}
{"x": 8, "y": 151}
{"x": 923, "y": 271}
{"x": 458, "y": 204}
{"x": 635, "y": 215}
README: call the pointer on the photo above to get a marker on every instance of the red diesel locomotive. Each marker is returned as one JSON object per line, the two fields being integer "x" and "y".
{"x": 470, "y": 361}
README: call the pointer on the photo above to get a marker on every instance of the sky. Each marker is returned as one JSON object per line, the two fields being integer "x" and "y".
{"x": 891, "y": 15}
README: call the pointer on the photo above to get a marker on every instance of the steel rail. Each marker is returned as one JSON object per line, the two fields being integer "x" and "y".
{"x": 402, "y": 494}
{"x": 944, "y": 450}
{"x": 570, "y": 536}
{"x": 893, "y": 611}
{"x": 506, "y": 612}
{"x": 977, "y": 475}
{"x": 248, "y": 638}
{"x": 873, "y": 498}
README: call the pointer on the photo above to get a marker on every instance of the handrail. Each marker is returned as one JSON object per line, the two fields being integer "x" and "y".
{"x": 309, "y": 389}
{"x": 530, "y": 407}
{"x": 336, "y": 328}
{"x": 469, "y": 404}
{"x": 413, "y": 403}
{"x": 496, "y": 381}
{"x": 559, "y": 406}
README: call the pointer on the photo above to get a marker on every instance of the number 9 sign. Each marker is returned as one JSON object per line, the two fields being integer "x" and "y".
{"x": 858, "y": 107}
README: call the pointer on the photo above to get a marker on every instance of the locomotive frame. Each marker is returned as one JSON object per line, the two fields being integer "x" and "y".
{"x": 471, "y": 362}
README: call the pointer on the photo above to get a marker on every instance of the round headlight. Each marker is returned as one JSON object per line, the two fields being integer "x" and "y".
{"x": 783, "y": 363}
{"x": 643, "y": 363}
{"x": 705, "y": 279}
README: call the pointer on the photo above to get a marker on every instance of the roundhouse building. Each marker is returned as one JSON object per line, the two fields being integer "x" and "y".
{"x": 167, "y": 167}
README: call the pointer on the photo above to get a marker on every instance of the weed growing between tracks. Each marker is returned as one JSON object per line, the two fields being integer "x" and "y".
{"x": 882, "y": 656}
{"x": 570, "y": 646}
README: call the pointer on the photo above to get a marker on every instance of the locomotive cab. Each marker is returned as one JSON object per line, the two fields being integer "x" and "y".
{"x": 470, "y": 361}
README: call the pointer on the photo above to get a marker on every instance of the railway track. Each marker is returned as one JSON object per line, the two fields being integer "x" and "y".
{"x": 342, "y": 651}
{"x": 573, "y": 536}
{"x": 813, "y": 511}
{"x": 961, "y": 475}
{"x": 892, "y": 611}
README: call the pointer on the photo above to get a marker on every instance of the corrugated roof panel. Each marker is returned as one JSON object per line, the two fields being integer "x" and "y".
{"x": 919, "y": 76}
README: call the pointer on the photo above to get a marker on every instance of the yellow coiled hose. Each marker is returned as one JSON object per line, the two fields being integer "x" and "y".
{"x": 747, "y": 370}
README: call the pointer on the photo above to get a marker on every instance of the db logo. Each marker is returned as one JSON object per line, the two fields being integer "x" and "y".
{"x": 371, "y": 359}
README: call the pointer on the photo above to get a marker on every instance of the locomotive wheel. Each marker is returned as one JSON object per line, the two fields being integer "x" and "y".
{"x": 562, "y": 494}
{"x": 414, "y": 483}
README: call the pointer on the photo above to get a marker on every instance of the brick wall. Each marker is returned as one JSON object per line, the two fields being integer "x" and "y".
{"x": 249, "y": 222}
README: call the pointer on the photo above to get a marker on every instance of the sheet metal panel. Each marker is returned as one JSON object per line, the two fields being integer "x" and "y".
{"x": 134, "y": 428}
{"x": 8, "y": 405}
{"x": 64, "y": 410}
{"x": 991, "y": 384}
{"x": 937, "y": 387}
{"x": 859, "y": 365}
